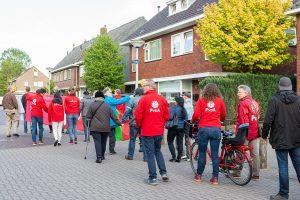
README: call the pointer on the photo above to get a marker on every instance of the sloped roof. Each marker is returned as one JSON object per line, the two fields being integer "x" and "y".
{"x": 118, "y": 34}
{"x": 162, "y": 19}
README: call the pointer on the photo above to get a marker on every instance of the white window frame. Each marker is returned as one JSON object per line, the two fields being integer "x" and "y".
{"x": 35, "y": 84}
{"x": 147, "y": 47}
{"x": 206, "y": 57}
{"x": 178, "y": 6}
{"x": 26, "y": 83}
{"x": 182, "y": 43}
{"x": 35, "y": 73}
{"x": 40, "y": 84}
{"x": 69, "y": 74}
{"x": 81, "y": 71}
{"x": 65, "y": 75}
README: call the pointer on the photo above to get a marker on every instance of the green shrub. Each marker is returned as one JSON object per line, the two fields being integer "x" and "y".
{"x": 263, "y": 87}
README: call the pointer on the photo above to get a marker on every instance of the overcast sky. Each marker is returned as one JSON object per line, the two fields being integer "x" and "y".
{"x": 47, "y": 29}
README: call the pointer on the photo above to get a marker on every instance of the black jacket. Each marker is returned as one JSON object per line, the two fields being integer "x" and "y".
{"x": 23, "y": 100}
{"x": 283, "y": 118}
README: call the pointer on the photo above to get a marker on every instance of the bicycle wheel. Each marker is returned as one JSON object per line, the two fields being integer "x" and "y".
{"x": 238, "y": 167}
{"x": 193, "y": 156}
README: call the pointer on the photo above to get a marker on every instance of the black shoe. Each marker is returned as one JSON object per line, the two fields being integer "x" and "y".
{"x": 172, "y": 159}
{"x": 98, "y": 160}
{"x": 59, "y": 144}
{"x": 8, "y": 136}
{"x": 16, "y": 135}
{"x": 103, "y": 158}
{"x": 128, "y": 158}
{"x": 112, "y": 152}
{"x": 55, "y": 143}
{"x": 178, "y": 160}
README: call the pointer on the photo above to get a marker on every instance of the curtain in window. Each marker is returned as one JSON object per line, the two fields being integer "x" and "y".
{"x": 188, "y": 41}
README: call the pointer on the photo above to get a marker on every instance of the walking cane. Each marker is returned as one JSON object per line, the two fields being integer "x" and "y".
{"x": 88, "y": 138}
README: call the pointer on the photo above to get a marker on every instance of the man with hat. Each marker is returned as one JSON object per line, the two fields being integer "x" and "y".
{"x": 283, "y": 122}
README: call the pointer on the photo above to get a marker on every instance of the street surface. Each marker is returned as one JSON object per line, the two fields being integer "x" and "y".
{"x": 46, "y": 172}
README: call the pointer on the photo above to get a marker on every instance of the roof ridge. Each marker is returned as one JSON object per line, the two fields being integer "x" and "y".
{"x": 137, "y": 19}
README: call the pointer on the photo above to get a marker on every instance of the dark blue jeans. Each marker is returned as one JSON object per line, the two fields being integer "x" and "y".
{"x": 100, "y": 139}
{"x": 133, "y": 131}
{"x": 37, "y": 121}
{"x": 212, "y": 135}
{"x": 72, "y": 122}
{"x": 85, "y": 127}
{"x": 152, "y": 148}
{"x": 282, "y": 159}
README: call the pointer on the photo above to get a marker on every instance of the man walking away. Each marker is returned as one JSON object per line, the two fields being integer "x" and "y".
{"x": 282, "y": 120}
{"x": 151, "y": 115}
{"x": 99, "y": 114}
{"x": 37, "y": 106}
{"x": 24, "y": 103}
{"x": 10, "y": 106}
{"x": 84, "y": 106}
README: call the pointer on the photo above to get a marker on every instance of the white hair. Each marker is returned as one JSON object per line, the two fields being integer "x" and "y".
{"x": 246, "y": 88}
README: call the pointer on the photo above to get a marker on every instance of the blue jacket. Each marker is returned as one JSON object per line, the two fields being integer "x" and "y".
{"x": 112, "y": 102}
{"x": 131, "y": 105}
{"x": 179, "y": 113}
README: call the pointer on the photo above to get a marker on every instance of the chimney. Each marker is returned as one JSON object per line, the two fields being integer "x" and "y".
{"x": 103, "y": 30}
{"x": 158, "y": 8}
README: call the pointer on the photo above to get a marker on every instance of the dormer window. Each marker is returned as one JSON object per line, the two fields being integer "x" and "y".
{"x": 176, "y": 6}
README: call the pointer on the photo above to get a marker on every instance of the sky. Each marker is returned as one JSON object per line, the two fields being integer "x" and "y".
{"x": 47, "y": 29}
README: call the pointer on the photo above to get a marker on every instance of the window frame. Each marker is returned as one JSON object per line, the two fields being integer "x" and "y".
{"x": 182, "y": 43}
{"x": 148, "y": 50}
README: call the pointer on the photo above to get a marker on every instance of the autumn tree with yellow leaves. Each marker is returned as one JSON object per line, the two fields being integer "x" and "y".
{"x": 246, "y": 35}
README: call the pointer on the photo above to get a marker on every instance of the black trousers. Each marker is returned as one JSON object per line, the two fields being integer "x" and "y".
{"x": 178, "y": 134}
{"x": 100, "y": 139}
{"x": 112, "y": 140}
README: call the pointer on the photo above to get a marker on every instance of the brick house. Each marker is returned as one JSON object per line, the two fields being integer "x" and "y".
{"x": 31, "y": 77}
{"x": 69, "y": 71}
{"x": 295, "y": 11}
{"x": 169, "y": 54}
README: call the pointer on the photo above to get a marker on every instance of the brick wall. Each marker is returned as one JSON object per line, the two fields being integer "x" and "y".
{"x": 174, "y": 66}
{"x": 298, "y": 53}
{"x": 67, "y": 83}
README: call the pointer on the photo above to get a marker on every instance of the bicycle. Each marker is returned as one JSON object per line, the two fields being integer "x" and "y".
{"x": 234, "y": 161}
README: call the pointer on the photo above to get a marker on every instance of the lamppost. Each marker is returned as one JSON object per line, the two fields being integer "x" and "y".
{"x": 49, "y": 82}
{"x": 136, "y": 44}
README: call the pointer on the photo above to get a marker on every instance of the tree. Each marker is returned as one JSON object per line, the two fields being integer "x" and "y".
{"x": 246, "y": 35}
{"x": 12, "y": 63}
{"x": 103, "y": 64}
{"x": 52, "y": 87}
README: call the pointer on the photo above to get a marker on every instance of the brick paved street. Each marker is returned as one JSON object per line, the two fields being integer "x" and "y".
{"x": 45, "y": 172}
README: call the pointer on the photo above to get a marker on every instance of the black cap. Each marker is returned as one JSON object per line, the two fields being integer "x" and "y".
{"x": 99, "y": 94}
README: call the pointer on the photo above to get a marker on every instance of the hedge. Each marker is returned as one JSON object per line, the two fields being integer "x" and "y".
{"x": 263, "y": 87}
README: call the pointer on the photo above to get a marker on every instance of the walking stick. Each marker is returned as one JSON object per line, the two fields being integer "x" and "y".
{"x": 88, "y": 138}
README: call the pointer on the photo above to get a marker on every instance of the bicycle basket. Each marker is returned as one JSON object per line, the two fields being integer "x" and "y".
{"x": 190, "y": 129}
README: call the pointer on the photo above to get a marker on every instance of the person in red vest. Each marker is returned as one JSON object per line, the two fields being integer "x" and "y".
{"x": 72, "y": 109}
{"x": 151, "y": 115}
{"x": 37, "y": 106}
{"x": 248, "y": 114}
{"x": 121, "y": 108}
{"x": 56, "y": 117}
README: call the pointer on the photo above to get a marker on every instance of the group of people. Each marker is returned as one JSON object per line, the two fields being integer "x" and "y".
{"x": 149, "y": 114}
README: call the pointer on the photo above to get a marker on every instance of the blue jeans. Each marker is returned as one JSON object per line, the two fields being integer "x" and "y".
{"x": 72, "y": 122}
{"x": 133, "y": 131}
{"x": 85, "y": 127}
{"x": 282, "y": 159}
{"x": 37, "y": 121}
{"x": 152, "y": 147}
{"x": 212, "y": 135}
{"x": 25, "y": 126}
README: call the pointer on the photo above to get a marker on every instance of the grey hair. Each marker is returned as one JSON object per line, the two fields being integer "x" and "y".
{"x": 150, "y": 83}
{"x": 246, "y": 88}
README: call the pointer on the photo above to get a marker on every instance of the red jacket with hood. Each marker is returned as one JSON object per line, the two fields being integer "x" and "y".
{"x": 72, "y": 105}
{"x": 37, "y": 105}
{"x": 56, "y": 112}
{"x": 210, "y": 113}
{"x": 248, "y": 113}
{"x": 151, "y": 114}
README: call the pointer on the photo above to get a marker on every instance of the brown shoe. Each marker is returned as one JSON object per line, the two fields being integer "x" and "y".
{"x": 34, "y": 144}
{"x": 41, "y": 142}
{"x": 197, "y": 178}
{"x": 255, "y": 178}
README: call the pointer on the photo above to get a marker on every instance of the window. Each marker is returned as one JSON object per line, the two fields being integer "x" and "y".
{"x": 179, "y": 5}
{"x": 69, "y": 74}
{"x": 35, "y": 73}
{"x": 206, "y": 57}
{"x": 65, "y": 74}
{"x": 40, "y": 84}
{"x": 292, "y": 33}
{"x": 81, "y": 70}
{"x": 61, "y": 76}
{"x": 182, "y": 43}
{"x": 35, "y": 84}
{"x": 183, "y": 4}
{"x": 25, "y": 83}
{"x": 152, "y": 50}
{"x": 172, "y": 9}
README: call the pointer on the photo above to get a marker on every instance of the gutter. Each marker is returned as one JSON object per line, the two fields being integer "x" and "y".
{"x": 77, "y": 64}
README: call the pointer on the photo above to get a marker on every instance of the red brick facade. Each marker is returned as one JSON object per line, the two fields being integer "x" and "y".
{"x": 191, "y": 63}
{"x": 70, "y": 82}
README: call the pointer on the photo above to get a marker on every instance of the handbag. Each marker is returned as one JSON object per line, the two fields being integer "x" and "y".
{"x": 173, "y": 123}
